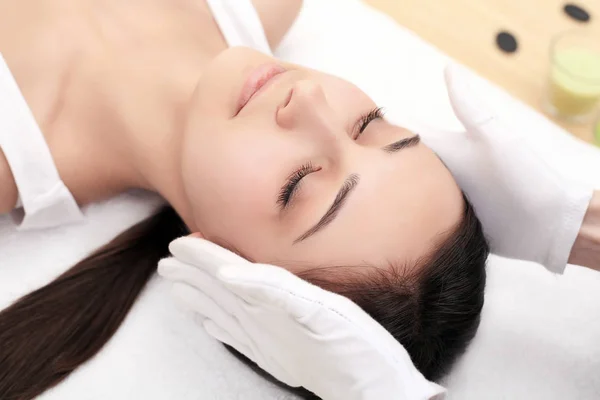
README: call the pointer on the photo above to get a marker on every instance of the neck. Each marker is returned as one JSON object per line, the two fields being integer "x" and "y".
{"x": 135, "y": 142}
{"x": 133, "y": 118}
{"x": 147, "y": 147}
{"x": 155, "y": 158}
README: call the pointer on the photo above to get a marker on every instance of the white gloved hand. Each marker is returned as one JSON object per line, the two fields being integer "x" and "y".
{"x": 528, "y": 210}
{"x": 300, "y": 334}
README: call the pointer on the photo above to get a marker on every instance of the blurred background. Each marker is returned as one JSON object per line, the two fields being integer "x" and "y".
{"x": 544, "y": 52}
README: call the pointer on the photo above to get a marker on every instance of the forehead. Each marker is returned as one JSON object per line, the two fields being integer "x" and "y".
{"x": 395, "y": 215}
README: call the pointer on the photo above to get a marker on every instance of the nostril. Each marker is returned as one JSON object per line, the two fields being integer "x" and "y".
{"x": 283, "y": 115}
{"x": 288, "y": 98}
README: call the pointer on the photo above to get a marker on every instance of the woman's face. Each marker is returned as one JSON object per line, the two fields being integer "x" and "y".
{"x": 306, "y": 174}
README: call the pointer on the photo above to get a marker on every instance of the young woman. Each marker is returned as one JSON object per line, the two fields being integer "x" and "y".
{"x": 277, "y": 162}
{"x": 296, "y": 331}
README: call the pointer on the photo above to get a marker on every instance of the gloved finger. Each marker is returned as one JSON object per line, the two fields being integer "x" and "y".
{"x": 241, "y": 320}
{"x": 177, "y": 271}
{"x": 445, "y": 143}
{"x": 479, "y": 120}
{"x": 204, "y": 254}
{"x": 273, "y": 288}
{"x": 467, "y": 105}
{"x": 196, "y": 301}
{"x": 272, "y": 367}
{"x": 173, "y": 269}
{"x": 265, "y": 287}
{"x": 214, "y": 330}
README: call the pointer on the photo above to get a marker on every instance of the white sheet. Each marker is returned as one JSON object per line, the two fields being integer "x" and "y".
{"x": 539, "y": 333}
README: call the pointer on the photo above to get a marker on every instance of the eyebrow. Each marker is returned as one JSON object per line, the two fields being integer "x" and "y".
{"x": 348, "y": 187}
{"x": 402, "y": 144}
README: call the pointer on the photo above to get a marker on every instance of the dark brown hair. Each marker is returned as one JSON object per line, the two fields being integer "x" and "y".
{"x": 45, "y": 335}
{"x": 434, "y": 313}
{"x": 48, "y": 333}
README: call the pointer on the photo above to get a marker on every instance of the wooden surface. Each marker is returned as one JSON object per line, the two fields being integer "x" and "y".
{"x": 466, "y": 30}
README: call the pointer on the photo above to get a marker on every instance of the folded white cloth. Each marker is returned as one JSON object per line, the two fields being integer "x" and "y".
{"x": 44, "y": 200}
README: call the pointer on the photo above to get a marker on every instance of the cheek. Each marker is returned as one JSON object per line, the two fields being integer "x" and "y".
{"x": 231, "y": 184}
{"x": 235, "y": 177}
{"x": 244, "y": 180}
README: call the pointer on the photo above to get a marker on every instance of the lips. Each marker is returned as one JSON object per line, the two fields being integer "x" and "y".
{"x": 256, "y": 81}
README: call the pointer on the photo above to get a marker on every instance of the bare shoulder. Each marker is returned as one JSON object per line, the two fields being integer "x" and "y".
{"x": 277, "y": 16}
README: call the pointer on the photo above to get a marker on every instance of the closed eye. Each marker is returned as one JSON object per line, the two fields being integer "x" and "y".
{"x": 292, "y": 184}
{"x": 366, "y": 119}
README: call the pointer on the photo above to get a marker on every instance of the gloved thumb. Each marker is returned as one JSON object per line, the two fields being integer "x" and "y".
{"x": 204, "y": 254}
{"x": 271, "y": 287}
{"x": 468, "y": 106}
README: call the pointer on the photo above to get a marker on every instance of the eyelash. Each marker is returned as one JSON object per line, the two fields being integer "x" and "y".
{"x": 293, "y": 182}
{"x": 291, "y": 187}
{"x": 366, "y": 119}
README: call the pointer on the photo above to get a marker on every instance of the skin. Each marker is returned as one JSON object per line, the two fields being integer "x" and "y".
{"x": 586, "y": 249}
{"x": 401, "y": 204}
{"x": 146, "y": 96}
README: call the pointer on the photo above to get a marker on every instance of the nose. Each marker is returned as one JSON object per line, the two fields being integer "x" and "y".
{"x": 307, "y": 110}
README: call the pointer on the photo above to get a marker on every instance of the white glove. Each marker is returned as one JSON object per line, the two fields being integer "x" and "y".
{"x": 528, "y": 210}
{"x": 300, "y": 334}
